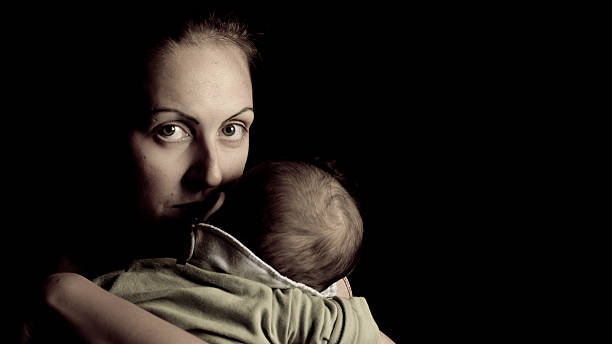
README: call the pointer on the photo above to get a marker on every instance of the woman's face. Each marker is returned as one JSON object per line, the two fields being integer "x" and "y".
{"x": 196, "y": 139}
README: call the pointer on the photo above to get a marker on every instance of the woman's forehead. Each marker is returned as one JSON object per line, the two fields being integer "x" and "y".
{"x": 198, "y": 79}
{"x": 201, "y": 63}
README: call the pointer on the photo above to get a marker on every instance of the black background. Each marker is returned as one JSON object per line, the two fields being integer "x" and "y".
{"x": 430, "y": 111}
{"x": 421, "y": 108}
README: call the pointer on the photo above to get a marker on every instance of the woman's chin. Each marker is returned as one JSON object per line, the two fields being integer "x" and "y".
{"x": 193, "y": 212}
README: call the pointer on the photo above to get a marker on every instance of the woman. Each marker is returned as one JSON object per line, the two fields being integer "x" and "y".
{"x": 188, "y": 138}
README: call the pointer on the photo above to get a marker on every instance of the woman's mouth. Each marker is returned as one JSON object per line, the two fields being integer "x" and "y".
{"x": 201, "y": 210}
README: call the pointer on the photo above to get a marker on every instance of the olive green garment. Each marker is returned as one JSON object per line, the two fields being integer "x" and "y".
{"x": 220, "y": 307}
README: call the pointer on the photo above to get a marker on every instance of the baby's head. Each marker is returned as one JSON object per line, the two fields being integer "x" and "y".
{"x": 296, "y": 217}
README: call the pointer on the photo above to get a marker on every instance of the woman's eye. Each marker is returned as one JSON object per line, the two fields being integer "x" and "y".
{"x": 234, "y": 131}
{"x": 229, "y": 130}
{"x": 172, "y": 133}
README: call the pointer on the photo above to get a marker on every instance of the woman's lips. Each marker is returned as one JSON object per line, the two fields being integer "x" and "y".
{"x": 201, "y": 210}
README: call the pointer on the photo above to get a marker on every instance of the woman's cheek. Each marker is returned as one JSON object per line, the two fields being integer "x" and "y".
{"x": 158, "y": 173}
{"x": 163, "y": 169}
{"x": 234, "y": 162}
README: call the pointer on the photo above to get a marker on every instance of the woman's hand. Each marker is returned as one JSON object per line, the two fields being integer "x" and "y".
{"x": 101, "y": 317}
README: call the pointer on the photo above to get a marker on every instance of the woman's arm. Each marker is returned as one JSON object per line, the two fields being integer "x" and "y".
{"x": 101, "y": 317}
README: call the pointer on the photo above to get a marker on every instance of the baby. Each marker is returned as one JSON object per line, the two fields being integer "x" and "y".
{"x": 286, "y": 232}
{"x": 296, "y": 217}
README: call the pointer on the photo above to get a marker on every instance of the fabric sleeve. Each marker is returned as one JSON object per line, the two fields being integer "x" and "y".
{"x": 312, "y": 319}
{"x": 222, "y": 308}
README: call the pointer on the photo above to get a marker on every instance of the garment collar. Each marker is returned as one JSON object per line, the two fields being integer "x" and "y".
{"x": 216, "y": 250}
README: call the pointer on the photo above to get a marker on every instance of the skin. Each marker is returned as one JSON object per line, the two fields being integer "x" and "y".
{"x": 197, "y": 137}
{"x": 101, "y": 317}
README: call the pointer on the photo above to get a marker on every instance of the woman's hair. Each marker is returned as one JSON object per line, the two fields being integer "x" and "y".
{"x": 148, "y": 39}
{"x": 299, "y": 219}
{"x": 222, "y": 28}
{"x": 117, "y": 94}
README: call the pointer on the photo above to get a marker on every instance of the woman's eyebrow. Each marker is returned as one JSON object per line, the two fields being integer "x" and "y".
{"x": 180, "y": 113}
{"x": 191, "y": 118}
{"x": 240, "y": 112}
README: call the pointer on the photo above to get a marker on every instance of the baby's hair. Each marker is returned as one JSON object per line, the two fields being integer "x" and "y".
{"x": 310, "y": 231}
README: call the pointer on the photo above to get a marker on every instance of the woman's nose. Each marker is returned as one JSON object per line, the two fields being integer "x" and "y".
{"x": 205, "y": 171}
